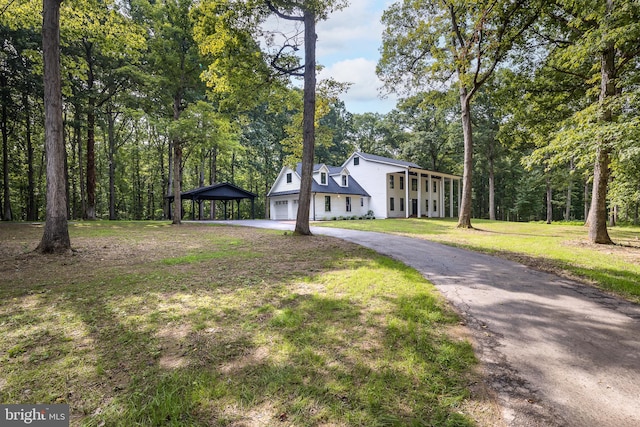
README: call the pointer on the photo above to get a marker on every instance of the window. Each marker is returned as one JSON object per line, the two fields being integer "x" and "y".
{"x": 344, "y": 180}
{"x": 414, "y": 184}
{"x": 435, "y": 187}
{"x": 327, "y": 203}
{"x": 392, "y": 206}
{"x": 356, "y": 161}
{"x": 348, "y": 204}
{"x": 402, "y": 182}
{"x": 361, "y": 201}
{"x": 401, "y": 204}
{"x": 435, "y": 206}
{"x": 391, "y": 182}
{"x": 323, "y": 178}
{"x": 289, "y": 178}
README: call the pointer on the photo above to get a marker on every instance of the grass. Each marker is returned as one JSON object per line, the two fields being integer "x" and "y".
{"x": 558, "y": 247}
{"x": 149, "y": 324}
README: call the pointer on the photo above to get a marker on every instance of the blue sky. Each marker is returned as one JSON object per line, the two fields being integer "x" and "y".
{"x": 348, "y": 47}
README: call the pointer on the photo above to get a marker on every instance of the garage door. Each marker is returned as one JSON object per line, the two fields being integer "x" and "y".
{"x": 282, "y": 209}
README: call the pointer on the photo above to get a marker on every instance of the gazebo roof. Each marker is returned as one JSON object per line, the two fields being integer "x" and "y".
{"x": 221, "y": 191}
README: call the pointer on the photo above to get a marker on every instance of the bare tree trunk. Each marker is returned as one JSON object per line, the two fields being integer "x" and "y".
{"x": 167, "y": 208}
{"x": 112, "y": 164}
{"x": 90, "y": 212}
{"x": 598, "y": 213}
{"x": 177, "y": 163}
{"x": 213, "y": 177}
{"x": 32, "y": 214}
{"x": 492, "y": 188}
{"x": 567, "y": 211}
{"x": 464, "y": 220}
{"x": 586, "y": 201}
{"x": 6, "y": 206}
{"x": 308, "y": 123}
{"x": 55, "y": 238}
{"x": 549, "y": 200}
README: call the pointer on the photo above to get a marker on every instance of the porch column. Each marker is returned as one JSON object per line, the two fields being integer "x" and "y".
{"x": 429, "y": 210}
{"x": 459, "y": 195}
{"x": 442, "y": 208}
{"x": 419, "y": 194}
{"x": 451, "y": 197}
{"x": 406, "y": 193}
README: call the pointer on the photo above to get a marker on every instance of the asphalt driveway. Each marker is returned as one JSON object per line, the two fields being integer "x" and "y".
{"x": 556, "y": 352}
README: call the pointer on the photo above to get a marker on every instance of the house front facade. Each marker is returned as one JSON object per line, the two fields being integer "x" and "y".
{"x": 389, "y": 188}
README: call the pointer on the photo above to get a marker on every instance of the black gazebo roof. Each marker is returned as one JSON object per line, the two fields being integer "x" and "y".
{"x": 220, "y": 191}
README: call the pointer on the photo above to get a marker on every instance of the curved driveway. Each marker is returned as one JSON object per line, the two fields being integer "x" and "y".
{"x": 556, "y": 352}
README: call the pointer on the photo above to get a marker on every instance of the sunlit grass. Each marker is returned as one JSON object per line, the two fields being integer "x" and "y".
{"x": 556, "y": 247}
{"x": 240, "y": 327}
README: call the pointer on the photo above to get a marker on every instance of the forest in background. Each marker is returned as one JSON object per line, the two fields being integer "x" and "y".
{"x": 139, "y": 76}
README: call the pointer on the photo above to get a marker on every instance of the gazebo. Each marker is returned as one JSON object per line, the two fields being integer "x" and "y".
{"x": 222, "y": 191}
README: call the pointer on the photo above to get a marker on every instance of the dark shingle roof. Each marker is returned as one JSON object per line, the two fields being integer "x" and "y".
{"x": 374, "y": 158}
{"x": 332, "y": 187}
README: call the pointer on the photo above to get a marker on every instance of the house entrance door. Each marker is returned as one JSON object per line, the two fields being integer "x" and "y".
{"x": 414, "y": 207}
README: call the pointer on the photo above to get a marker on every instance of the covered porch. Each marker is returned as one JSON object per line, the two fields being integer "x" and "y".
{"x": 423, "y": 193}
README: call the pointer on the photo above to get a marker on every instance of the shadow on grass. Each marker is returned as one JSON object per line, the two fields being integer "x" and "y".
{"x": 164, "y": 346}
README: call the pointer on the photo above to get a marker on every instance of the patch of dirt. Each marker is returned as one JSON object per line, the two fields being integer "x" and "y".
{"x": 482, "y": 405}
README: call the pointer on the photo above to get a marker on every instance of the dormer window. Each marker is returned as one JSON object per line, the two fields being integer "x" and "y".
{"x": 344, "y": 180}
{"x": 323, "y": 178}
{"x": 356, "y": 161}
{"x": 289, "y": 178}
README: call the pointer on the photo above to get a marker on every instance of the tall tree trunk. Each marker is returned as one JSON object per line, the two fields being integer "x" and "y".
{"x": 567, "y": 211}
{"x": 55, "y": 238}
{"x": 492, "y": 185}
{"x": 464, "y": 220}
{"x": 308, "y": 122}
{"x": 177, "y": 163}
{"x": 90, "y": 212}
{"x": 32, "y": 214}
{"x": 6, "y": 206}
{"x": 167, "y": 206}
{"x": 112, "y": 163}
{"x": 586, "y": 201}
{"x": 598, "y": 213}
{"x": 549, "y": 199}
{"x": 213, "y": 177}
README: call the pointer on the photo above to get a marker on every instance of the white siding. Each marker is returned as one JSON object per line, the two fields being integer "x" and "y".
{"x": 373, "y": 177}
{"x": 338, "y": 206}
{"x": 281, "y": 183}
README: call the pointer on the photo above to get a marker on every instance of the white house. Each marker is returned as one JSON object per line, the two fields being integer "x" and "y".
{"x": 387, "y": 187}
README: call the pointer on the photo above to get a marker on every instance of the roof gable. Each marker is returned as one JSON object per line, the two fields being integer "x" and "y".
{"x": 381, "y": 159}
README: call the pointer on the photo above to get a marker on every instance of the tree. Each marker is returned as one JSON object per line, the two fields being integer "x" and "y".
{"x": 55, "y": 238}
{"x": 597, "y": 44}
{"x": 307, "y": 12}
{"x": 439, "y": 39}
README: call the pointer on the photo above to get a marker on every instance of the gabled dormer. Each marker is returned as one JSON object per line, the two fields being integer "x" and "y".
{"x": 321, "y": 175}
{"x": 343, "y": 178}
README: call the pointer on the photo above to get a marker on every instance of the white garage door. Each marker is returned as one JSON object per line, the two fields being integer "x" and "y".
{"x": 282, "y": 209}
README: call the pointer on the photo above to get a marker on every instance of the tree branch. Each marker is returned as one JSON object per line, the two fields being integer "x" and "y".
{"x": 279, "y": 14}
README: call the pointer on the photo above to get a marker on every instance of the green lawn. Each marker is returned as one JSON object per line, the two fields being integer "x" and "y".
{"x": 149, "y": 324}
{"x": 557, "y": 247}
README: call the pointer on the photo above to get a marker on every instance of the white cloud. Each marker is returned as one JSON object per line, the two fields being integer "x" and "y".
{"x": 365, "y": 84}
{"x": 348, "y": 47}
